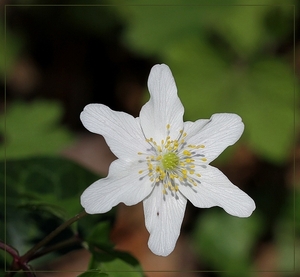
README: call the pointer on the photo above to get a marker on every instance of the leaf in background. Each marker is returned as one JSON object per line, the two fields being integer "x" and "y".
{"x": 116, "y": 264}
{"x": 225, "y": 242}
{"x": 99, "y": 236}
{"x": 266, "y": 104}
{"x": 223, "y": 60}
{"x": 40, "y": 194}
{"x": 261, "y": 93}
{"x": 152, "y": 29}
{"x": 242, "y": 27}
{"x": 33, "y": 129}
{"x": 106, "y": 259}
{"x": 201, "y": 76}
{"x": 94, "y": 273}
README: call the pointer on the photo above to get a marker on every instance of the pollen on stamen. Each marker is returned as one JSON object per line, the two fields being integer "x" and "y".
{"x": 172, "y": 176}
{"x": 187, "y": 153}
{"x": 172, "y": 160}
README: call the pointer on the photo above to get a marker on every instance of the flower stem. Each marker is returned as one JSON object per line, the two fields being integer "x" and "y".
{"x": 9, "y": 249}
{"x": 57, "y": 246}
{"x": 17, "y": 267}
{"x": 29, "y": 254}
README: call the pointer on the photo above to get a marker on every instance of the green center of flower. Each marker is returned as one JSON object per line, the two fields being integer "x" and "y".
{"x": 170, "y": 161}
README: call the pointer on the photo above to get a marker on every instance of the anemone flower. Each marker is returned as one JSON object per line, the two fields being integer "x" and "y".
{"x": 164, "y": 161}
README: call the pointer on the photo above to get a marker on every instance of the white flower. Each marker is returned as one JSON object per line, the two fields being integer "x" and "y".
{"x": 164, "y": 161}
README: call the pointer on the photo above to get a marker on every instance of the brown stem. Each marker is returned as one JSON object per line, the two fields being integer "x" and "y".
{"x": 9, "y": 249}
{"x": 65, "y": 243}
{"x": 28, "y": 255}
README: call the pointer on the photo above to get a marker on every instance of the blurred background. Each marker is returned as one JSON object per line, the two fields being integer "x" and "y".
{"x": 225, "y": 57}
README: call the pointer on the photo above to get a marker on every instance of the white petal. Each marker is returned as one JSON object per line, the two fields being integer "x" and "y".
{"x": 215, "y": 189}
{"x": 163, "y": 219}
{"x": 123, "y": 184}
{"x": 122, "y": 132}
{"x": 164, "y": 106}
{"x": 221, "y": 131}
{"x": 193, "y": 128}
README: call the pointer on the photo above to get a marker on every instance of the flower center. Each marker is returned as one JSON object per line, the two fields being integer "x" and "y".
{"x": 170, "y": 161}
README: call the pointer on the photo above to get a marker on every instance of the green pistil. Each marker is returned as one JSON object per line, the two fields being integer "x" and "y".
{"x": 170, "y": 161}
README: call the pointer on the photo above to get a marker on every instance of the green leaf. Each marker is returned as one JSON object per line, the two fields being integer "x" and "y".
{"x": 225, "y": 242}
{"x": 106, "y": 259}
{"x": 221, "y": 60}
{"x": 115, "y": 263}
{"x": 266, "y": 103}
{"x": 33, "y": 129}
{"x": 41, "y": 193}
{"x": 94, "y": 273}
{"x": 99, "y": 236}
{"x": 57, "y": 182}
{"x": 152, "y": 29}
{"x": 261, "y": 93}
{"x": 242, "y": 27}
{"x": 200, "y": 75}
